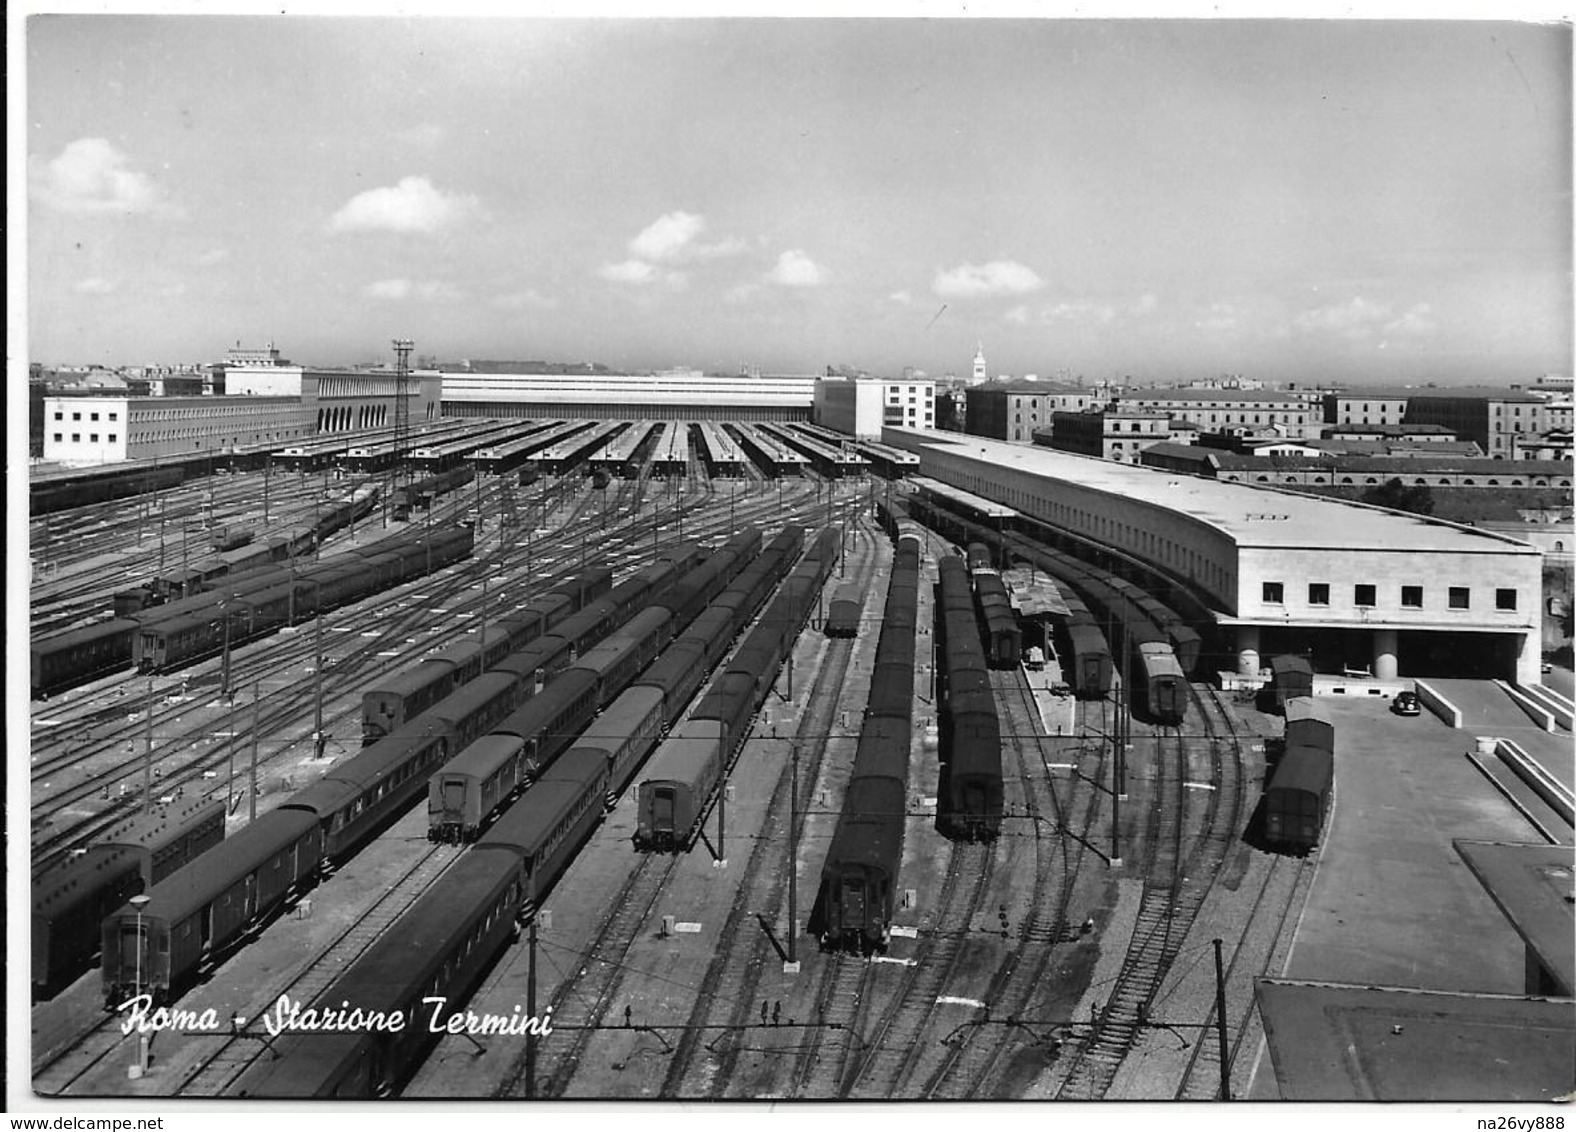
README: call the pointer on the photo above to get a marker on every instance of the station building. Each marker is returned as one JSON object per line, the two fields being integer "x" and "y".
{"x": 862, "y": 407}
{"x": 686, "y": 395}
{"x": 262, "y": 404}
{"x": 1358, "y": 587}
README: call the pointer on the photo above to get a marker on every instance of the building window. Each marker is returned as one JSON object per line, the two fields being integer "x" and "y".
{"x": 114, "y": 416}
{"x": 76, "y": 416}
{"x": 60, "y": 417}
{"x": 1460, "y": 597}
{"x": 1411, "y": 597}
{"x": 112, "y": 438}
{"x": 57, "y": 438}
{"x": 1504, "y": 599}
{"x": 1318, "y": 593}
{"x": 93, "y": 437}
{"x": 76, "y": 438}
{"x": 93, "y": 416}
{"x": 1366, "y": 597}
{"x": 1274, "y": 593}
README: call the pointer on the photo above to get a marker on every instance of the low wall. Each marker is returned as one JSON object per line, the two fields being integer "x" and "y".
{"x": 1430, "y": 698}
{"x": 1534, "y": 712}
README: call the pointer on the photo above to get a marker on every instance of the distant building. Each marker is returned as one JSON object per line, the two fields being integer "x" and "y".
{"x": 1552, "y": 444}
{"x": 1015, "y": 410}
{"x": 1365, "y": 407}
{"x": 265, "y": 404}
{"x": 862, "y": 407}
{"x": 1290, "y": 414}
{"x": 1491, "y": 417}
{"x": 1408, "y": 433}
{"x": 1330, "y": 470}
{"x": 475, "y": 392}
{"x": 1112, "y": 432}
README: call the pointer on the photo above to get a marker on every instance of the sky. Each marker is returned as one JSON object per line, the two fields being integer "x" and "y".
{"x": 1374, "y": 202}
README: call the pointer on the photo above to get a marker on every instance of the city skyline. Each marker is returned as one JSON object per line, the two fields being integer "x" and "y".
{"x": 1375, "y": 203}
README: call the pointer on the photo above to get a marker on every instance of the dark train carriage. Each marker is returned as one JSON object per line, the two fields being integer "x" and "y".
{"x": 1309, "y": 724}
{"x": 1290, "y": 676}
{"x": 1298, "y": 798}
{"x": 206, "y": 905}
{"x": 842, "y": 618}
{"x": 1004, "y": 639}
{"x": 854, "y": 905}
{"x": 678, "y": 785}
{"x": 70, "y": 901}
{"x": 64, "y": 660}
{"x": 1165, "y": 686}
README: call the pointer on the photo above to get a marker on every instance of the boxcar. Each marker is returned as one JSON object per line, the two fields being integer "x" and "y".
{"x": 1290, "y": 677}
{"x": 842, "y": 617}
{"x": 1309, "y": 724}
{"x": 1298, "y": 799}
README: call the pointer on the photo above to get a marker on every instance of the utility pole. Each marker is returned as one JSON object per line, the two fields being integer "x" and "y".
{"x": 530, "y": 999}
{"x": 402, "y": 349}
{"x": 793, "y": 857}
{"x": 317, "y": 672}
{"x": 251, "y": 809}
{"x": 147, "y": 759}
{"x": 1220, "y": 1023}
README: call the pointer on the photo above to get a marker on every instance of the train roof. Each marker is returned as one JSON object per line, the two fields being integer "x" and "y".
{"x": 483, "y": 756}
{"x": 78, "y": 878}
{"x": 1290, "y": 662}
{"x": 1304, "y": 768}
{"x": 1300, "y": 708}
{"x": 163, "y": 824}
{"x": 195, "y": 884}
{"x": 525, "y": 825}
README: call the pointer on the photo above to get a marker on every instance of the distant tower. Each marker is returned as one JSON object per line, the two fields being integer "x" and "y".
{"x": 979, "y": 362}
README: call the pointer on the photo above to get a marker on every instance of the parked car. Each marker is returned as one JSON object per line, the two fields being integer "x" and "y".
{"x": 1406, "y": 703}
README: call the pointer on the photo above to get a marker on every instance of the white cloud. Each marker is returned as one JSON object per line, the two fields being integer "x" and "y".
{"x": 424, "y": 135}
{"x": 903, "y": 298}
{"x": 413, "y": 205}
{"x": 630, "y": 271}
{"x": 213, "y": 257}
{"x": 432, "y": 290}
{"x": 524, "y": 300}
{"x": 95, "y": 286}
{"x": 743, "y": 293}
{"x": 173, "y": 290}
{"x": 1418, "y": 321}
{"x": 1219, "y": 318}
{"x": 999, "y": 277}
{"x": 1146, "y": 304}
{"x": 90, "y": 177}
{"x": 794, "y": 269}
{"x": 1081, "y": 310}
{"x": 667, "y": 236}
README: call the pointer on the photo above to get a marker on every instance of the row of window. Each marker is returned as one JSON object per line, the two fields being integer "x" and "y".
{"x": 59, "y": 416}
{"x": 93, "y": 438}
{"x": 1366, "y": 596}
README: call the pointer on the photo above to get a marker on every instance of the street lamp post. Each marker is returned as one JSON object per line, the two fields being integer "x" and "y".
{"x": 137, "y": 902}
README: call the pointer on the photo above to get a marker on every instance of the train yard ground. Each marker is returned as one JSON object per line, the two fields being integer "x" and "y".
{"x": 1015, "y": 967}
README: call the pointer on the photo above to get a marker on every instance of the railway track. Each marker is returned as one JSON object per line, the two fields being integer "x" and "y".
{"x": 728, "y": 990}
{"x": 843, "y": 1003}
{"x": 1062, "y": 827}
{"x": 1177, "y": 875}
{"x": 218, "y": 1069}
{"x": 582, "y": 1002}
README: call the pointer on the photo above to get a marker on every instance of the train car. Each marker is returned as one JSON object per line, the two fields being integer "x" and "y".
{"x": 1309, "y": 724}
{"x": 1164, "y": 687}
{"x": 443, "y": 945}
{"x": 970, "y": 802}
{"x": 842, "y": 616}
{"x": 77, "y": 656}
{"x": 1004, "y": 639}
{"x": 855, "y": 901}
{"x": 467, "y": 791}
{"x": 674, "y": 795}
{"x": 979, "y": 558}
{"x": 1298, "y": 799}
{"x": 201, "y": 908}
{"x": 1291, "y": 676}
{"x": 71, "y": 899}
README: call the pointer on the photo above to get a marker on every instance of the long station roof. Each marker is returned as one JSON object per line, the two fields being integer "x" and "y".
{"x": 1253, "y": 516}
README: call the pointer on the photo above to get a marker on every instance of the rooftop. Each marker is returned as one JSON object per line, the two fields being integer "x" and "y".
{"x": 1337, "y": 1042}
{"x": 1534, "y": 886}
{"x": 1253, "y": 516}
